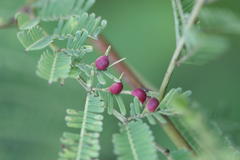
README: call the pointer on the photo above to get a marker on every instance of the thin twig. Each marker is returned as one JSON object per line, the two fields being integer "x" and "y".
{"x": 176, "y": 22}
{"x": 180, "y": 11}
{"x": 177, "y": 52}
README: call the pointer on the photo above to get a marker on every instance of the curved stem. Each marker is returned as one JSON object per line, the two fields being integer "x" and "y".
{"x": 180, "y": 45}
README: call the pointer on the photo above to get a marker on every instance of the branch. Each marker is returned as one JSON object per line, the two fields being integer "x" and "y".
{"x": 133, "y": 81}
{"x": 131, "y": 78}
{"x": 176, "y": 22}
{"x": 180, "y": 45}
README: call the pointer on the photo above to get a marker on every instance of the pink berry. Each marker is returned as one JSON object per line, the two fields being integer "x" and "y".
{"x": 152, "y": 104}
{"x": 140, "y": 94}
{"x": 102, "y": 62}
{"x": 116, "y": 88}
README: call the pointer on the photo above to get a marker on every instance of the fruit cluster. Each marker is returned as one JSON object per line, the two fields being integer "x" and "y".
{"x": 152, "y": 103}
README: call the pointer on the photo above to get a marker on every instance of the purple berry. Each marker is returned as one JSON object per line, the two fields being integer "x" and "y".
{"x": 116, "y": 88}
{"x": 152, "y": 104}
{"x": 102, "y": 63}
{"x": 140, "y": 94}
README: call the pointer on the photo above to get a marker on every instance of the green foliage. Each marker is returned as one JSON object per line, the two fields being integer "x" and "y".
{"x": 34, "y": 38}
{"x": 207, "y": 40}
{"x": 51, "y": 10}
{"x": 77, "y": 28}
{"x": 121, "y": 105}
{"x": 110, "y": 103}
{"x": 84, "y": 21}
{"x": 137, "y": 111}
{"x": 83, "y": 146}
{"x": 205, "y": 139}
{"x": 134, "y": 142}
{"x": 75, "y": 45}
{"x": 54, "y": 66}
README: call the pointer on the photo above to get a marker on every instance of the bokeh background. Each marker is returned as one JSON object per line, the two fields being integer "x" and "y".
{"x": 32, "y": 112}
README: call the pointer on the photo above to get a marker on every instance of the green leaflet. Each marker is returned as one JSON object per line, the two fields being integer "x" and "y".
{"x": 135, "y": 142}
{"x": 101, "y": 78}
{"x": 121, "y": 104}
{"x": 76, "y": 45}
{"x": 52, "y": 10}
{"x": 53, "y": 66}
{"x": 92, "y": 24}
{"x": 34, "y": 38}
{"x": 83, "y": 146}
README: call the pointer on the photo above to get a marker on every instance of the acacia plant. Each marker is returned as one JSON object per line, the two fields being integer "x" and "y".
{"x": 66, "y": 49}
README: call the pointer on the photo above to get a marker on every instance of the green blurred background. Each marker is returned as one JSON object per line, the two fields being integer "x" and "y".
{"x": 32, "y": 112}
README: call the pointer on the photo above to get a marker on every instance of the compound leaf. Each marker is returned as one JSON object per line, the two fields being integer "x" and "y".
{"x": 135, "y": 142}
{"x": 53, "y": 66}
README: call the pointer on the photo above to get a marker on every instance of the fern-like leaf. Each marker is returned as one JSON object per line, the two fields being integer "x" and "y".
{"x": 75, "y": 45}
{"x": 84, "y": 21}
{"x": 135, "y": 142}
{"x": 34, "y": 38}
{"x": 83, "y": 146}
{"x": 53, "y": 66}
{"x": 52, "y": 10}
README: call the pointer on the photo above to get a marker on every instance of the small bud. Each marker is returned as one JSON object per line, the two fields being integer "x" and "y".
{"x": 116, "y": 88}
{"x": 152, "y": 104}
{"x": 102, "y": 63}
{"x": 140, "y": 94}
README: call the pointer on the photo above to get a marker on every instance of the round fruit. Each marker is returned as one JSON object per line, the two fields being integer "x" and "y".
{"x": 116, "y": 88}
{"x": 140, "y": 94}
{"x": 102, "y": 62}
{"x": 152, "y": 104}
